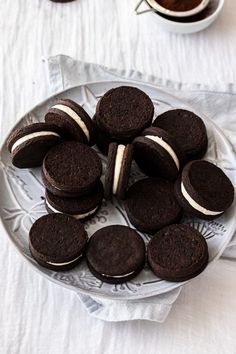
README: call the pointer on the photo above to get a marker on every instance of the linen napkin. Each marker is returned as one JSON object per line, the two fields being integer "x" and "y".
{"x": 64, "y": 73}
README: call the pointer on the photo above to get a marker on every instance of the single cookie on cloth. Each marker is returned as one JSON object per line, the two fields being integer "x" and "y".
{"x": 151, "y": 204}
{"x": 188, "y": 130}
{"x": 204, "y": 190}
{"x": 71, "y": 169}
{"x": 122, "y": 113}
{"x": 57, "y": 241}
{"x": 177, "y": 253}
{"x": 115, "y": 254}
{"x": 81, "y": 208}
{"x": 29, "y": 145}
{"x": 157, "y": 154}
{"x": 118, "y": 170}
{"x": 73, "y": 120}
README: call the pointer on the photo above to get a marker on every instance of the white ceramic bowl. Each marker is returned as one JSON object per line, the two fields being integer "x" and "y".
{"x": 165, "y": 11}
{"x": 184, "y": 27}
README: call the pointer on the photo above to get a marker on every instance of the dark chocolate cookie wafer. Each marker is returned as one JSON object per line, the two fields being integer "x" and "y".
{"x": 204, "y": 190}
{"x": 115, "y": 254}
{"x": 157, "y": 154}
{"x": 73, "y": 120}
{"x": 151, "y": 204}
{"x": 122, "y": 113}
{"x": 118, "y": 170}
{"x": 103, "y": 141}
{"x": 29, "y": 145}
{"x": 187, "y": 128}
{"x": 57, "y": 241}
{"x": 81, "y": 208}
{"x": 177, "y": 253}
{"x": 71, "y": 169}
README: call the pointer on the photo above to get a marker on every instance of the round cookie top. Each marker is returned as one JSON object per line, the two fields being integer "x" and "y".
{"x": 81, "y": 207}
{"x": 57, "y": 238}
{"x": 103, "y": 141}
{"x": 116, "y": 251}
{"x": 118, "y": 170}
{"x": 71, "y": 168}
{"x": 177, "y": 253}
{"x": 29, "y": 145}
{"x": 157, "y": 153}
{"x": 151, "y": 204}
{"x": 187, "y": 128}
{"x": 124, "y": 112}
{"x": 73, "y": 120}
{"x": 207, "y": 185}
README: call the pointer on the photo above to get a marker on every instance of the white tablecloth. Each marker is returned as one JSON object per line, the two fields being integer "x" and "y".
{"x": 37, "y": 316}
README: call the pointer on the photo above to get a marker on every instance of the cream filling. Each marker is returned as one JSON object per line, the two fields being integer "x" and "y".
{"x": 165, "y": 146}
{"x": 74, "y": 116}
{"x": 65, "y": 263}
{"x": 117, "y": 276}
{"x": 197, "y": 206}
{"x": 119, "y": 157}
{"x": 77, "y": 216}
{"x": 31, "y": 136}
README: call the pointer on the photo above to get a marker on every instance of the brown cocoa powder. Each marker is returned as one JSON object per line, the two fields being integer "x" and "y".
{"x": 179, "y": 5}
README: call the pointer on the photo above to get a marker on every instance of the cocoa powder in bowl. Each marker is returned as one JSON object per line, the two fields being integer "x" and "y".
{"x": 179, "y": 5}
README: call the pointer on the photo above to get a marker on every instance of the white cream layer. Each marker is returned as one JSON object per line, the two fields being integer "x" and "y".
{"x": 75, "y": 116}
{"x": 77, "y": 216}
{"x": 165, "y": 146}
{"x": 117, "y": 276}
{"x": 119, "y": 157}
{"x": 197, "y": 206}
{"x": 31, "y": 136}
{"x": 65, "y": 263}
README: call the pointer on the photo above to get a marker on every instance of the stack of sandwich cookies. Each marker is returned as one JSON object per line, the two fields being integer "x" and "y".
{"x": 151, "y": 204}
{"x": 115, "y": 254}
{"x": 177, "y": 253}
{"x": 81, "y": 208}
{"x": 29, "y": 145}
{"x": 157, "y": 154}
{"x": 73, "y": 121}
{"x": 71, "y": 169}
{"x": 122, "y": 113}
{"x": 103, "y": 141}
{"x": 118, "y": 170}
{"x": 188, "y": 130}
{"x": 204, "y": 190}
{"x": 57, "y": 241}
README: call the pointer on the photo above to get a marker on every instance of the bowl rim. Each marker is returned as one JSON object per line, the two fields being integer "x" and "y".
{"x": 186, "y": 24}
{"x": 156, "y": 6}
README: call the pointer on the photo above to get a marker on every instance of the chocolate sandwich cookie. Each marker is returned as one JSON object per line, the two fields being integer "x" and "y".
{"x": 188, "y": 130}
{"x": 29, "y": 145}
{"x": 177, "y": 253}
{"x": 71, "y": 169}
{"x": 118, "y": 170}
{"x": 103, "y": 141}
{"x": 122, "y": 113}
{"x": 73, "y": 120}
{"x": 151, "y": 204}
{"x": 82, "y": 208}
{"x": 115, "y": 254}
{"x": 157, "y": 154}
{"x": 57, "y": 241}
{"x": 204, "y": 190}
